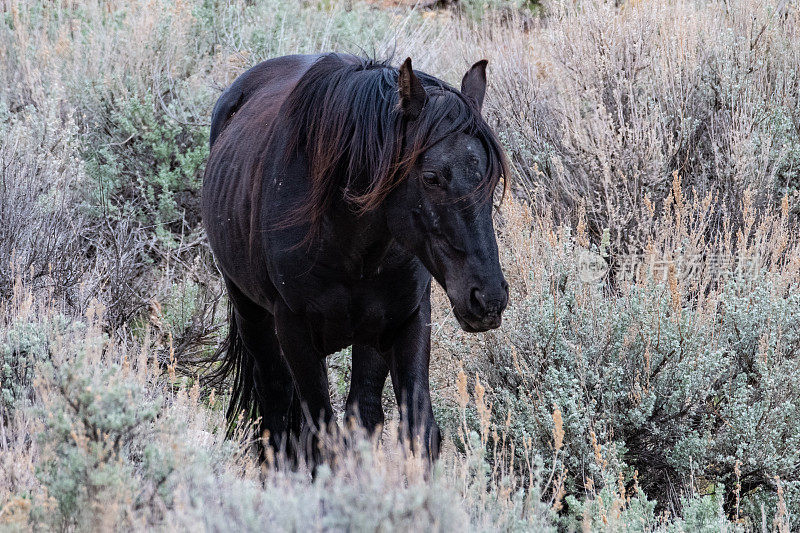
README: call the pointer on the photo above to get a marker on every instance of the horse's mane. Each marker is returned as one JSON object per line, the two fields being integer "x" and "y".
{"x": 344, "y": 116}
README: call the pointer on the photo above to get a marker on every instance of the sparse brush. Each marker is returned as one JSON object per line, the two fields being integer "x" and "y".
{"x": 675, "y": 364}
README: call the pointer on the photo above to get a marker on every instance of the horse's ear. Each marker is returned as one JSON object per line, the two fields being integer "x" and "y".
{"x": 473, "y": 84}
{"x": 412, "y": 93}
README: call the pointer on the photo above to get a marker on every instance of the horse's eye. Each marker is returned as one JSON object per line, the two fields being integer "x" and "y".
{"x": 431, "y": 179}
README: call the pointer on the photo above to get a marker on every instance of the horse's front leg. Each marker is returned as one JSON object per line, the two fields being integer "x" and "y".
{"x": 368, "y": 377}
{"x": 310, "y": 375}
{"x": 409, "y": 357}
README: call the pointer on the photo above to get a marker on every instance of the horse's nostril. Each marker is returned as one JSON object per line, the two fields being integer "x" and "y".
{"x": 476, "y": 300}
{"x": 487, "y": 307}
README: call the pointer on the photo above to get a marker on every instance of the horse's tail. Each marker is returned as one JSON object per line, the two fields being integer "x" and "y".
{"x": 239, "y": 364}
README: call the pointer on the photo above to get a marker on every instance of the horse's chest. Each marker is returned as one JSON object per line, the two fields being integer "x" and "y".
{"x": 344, "y": 305}
{"x": 344, "y": 314}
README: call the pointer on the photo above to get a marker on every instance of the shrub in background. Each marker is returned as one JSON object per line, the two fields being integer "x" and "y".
{"x": 684, "y": 392}
{"x": 41, "y": 175}
{"x": 600, "y": 104}
{"x": 147, "y": 167}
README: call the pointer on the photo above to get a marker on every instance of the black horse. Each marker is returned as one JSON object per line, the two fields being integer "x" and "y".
{"x": 335, "y": 188}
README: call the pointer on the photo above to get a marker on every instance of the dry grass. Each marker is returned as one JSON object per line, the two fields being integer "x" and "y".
{"x": 600, "y": 105}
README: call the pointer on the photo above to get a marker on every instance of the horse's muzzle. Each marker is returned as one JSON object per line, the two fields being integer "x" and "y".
{"x": 485, "y": 309}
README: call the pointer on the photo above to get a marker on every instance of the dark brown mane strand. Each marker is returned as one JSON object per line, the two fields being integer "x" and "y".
{"x": 343, "y": 115}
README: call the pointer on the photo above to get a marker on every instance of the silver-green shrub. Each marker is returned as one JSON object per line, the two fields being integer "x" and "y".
{"x": 684, "y": 394}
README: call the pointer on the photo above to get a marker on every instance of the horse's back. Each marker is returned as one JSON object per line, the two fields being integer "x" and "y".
{"x": 240, "y": 130}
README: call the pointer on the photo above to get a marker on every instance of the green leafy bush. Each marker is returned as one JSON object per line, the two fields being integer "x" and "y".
{"x": 92, "y": 416}
{"x": 149, "y": 168}
{"x": 23, "y": 347}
